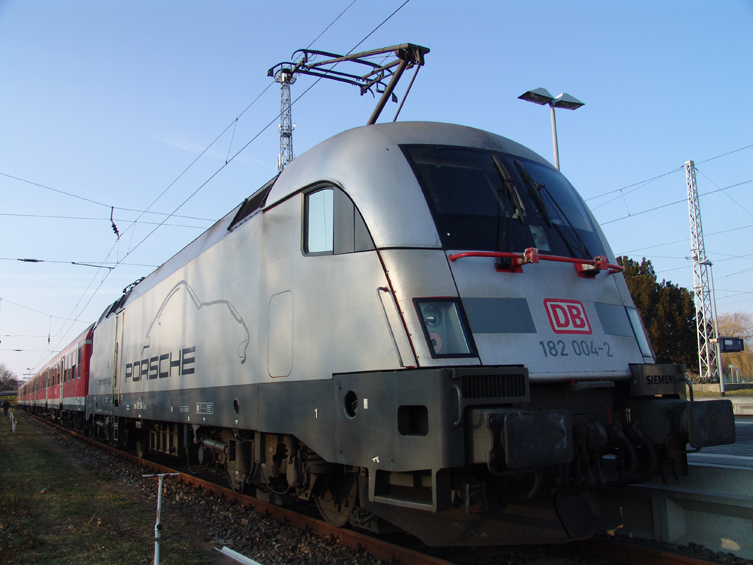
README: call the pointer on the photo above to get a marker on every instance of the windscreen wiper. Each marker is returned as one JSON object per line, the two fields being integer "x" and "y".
{"x": 508, "y": 185}
{"x": 539, "y": 199}
{"x": 534, "y": 192}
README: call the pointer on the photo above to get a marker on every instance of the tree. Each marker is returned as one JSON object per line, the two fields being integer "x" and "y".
{"x": 667, "y": 311}
{"x": 8, "y": 379}
{"x": 737, "y": 324}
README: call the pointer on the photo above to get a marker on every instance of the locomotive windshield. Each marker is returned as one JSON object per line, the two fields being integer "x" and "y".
{"x": 491, "y": 201}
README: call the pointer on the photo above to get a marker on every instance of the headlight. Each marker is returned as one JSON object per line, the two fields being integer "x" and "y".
{"x": 445, "y": 327}
{"x": 432, "y": 315}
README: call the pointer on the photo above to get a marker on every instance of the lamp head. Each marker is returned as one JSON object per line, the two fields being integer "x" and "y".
{"x": 567, "y": 102}
{"x": 538, "y": 96}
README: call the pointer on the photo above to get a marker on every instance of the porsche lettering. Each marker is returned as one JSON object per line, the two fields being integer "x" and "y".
{"x": 173, "y": 364}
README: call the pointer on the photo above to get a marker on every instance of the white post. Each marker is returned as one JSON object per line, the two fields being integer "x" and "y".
{"x": 554, "y": 139}
{"x": 158, "y": 524}
{"x": 719, "y": 365}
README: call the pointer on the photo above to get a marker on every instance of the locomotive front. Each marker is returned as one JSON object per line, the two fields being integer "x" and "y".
{"x": 528, "y": 385}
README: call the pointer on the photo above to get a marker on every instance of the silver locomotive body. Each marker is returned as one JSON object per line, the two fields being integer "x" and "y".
{"x": 415, "y": 322}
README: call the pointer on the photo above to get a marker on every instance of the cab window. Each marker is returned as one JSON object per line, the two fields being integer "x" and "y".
{"x": 333, "y": 225}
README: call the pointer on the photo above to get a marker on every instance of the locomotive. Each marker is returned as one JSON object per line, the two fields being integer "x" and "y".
{"x": 415, "y": 325}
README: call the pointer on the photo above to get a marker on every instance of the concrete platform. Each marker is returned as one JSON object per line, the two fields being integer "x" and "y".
{"x": 712, "y": 506}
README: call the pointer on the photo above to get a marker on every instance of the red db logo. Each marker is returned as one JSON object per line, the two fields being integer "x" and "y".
{"x": 567, "y": 316}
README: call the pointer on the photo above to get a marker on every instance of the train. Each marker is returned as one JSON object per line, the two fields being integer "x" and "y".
{"x": 417, "y": 326}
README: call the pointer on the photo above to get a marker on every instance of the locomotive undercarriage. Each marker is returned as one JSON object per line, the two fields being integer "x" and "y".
{"x": 447, "y": 461}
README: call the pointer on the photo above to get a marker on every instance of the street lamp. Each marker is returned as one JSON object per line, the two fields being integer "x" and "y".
{"x": 541, "y": 96}
{"x": 719, "y": 366}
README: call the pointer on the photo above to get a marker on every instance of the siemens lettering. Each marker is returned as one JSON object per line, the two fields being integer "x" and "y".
{"x": 660, "y": 379}
{"x": 163, "y": 366}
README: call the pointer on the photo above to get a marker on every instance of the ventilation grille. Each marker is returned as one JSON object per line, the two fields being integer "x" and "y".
{"x": 494, "y": 386}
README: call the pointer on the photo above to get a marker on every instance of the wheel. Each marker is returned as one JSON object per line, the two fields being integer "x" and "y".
{"x": 338, "y": 501}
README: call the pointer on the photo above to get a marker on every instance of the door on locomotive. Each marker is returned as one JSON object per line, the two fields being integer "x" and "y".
{"x": 117, "y": 354}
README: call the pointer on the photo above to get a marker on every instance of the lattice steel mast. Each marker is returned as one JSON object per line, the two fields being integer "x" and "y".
{"x": 285, "y": 76}
{"x": 709, "y": 358}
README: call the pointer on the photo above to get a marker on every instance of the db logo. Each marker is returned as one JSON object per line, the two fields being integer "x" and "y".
{"x": 567, "y": 316}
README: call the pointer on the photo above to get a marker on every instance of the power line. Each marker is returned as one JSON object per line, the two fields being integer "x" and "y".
{"x": 258, "y": 134}
{"x": 725, "y": 154}
{"x": 90, "y": 219}
{"x": 91, "y": 201}
{"x": 233, "y": 123}
{"x": 36, "y": 311}
{"x": 634, "y": 184}
{"x": 30, "y": 350}
{"x": 727, "y": 195}
{"x": 623, "y": 194}
{"x": 664, "y": 174}
{"x": 737, "y": 273}
{"x": 673, "y": 203}
{"x": 78, "y": 263}
{"x": 107, "y": 274}
{"x": 31, "y": 335}
{"x": 737, "y": 291}
{"x": 683, "y": 240}
{"x": 715, "y": 262}
{"x": 373, "y": 31}
{"x": 727, "y": 300}
{"x": 331, "y": 24}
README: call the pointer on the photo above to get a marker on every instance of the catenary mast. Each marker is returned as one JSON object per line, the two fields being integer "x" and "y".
{"x": 709, "y": 357}
{"x": 285, "y": 76}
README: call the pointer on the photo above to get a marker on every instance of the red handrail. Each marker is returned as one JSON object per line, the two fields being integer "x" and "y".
{"x": 531, "y": 255}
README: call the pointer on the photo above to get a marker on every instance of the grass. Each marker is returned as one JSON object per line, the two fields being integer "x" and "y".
{"x": 57, "y": 509}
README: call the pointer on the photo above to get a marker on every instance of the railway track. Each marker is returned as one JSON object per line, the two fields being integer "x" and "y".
{"x": 592, "y": 552}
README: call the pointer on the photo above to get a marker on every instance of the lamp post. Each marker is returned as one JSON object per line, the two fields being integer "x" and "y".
{"x": 718, "y": 365}
{"x": 541, "y": 96}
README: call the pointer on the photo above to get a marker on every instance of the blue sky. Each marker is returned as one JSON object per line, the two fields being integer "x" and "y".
{"x": 112, "y": 101}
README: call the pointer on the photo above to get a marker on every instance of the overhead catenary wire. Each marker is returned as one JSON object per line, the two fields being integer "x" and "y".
{"x": 715, "y": 262}
{"x": 70, "y": 194}
{"x": 726, "y": 257}
{"x": 91, "y": 219}
{"x": 78, "y": 263}
{"x": 684, "y": 200}
{"x": 743, "y": 208}
{"x": 639, "y": 184}
{"x": 34, "y": 310}
{"x": 331, "y": 24}
{"x": 255, "y": 137}
{"x": 231, "y": 124}
{"x": 107, "y": 273}
{"x": 30, "y": 336}
{"x": 683, "y": 240}
{"x": 643, "y": 182}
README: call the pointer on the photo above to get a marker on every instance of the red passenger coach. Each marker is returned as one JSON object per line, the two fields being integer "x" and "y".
{"x": 59, "y": 390}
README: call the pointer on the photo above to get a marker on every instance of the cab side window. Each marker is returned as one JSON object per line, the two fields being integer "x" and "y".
{"x": 319, "y": 228}
{"x": 333, "y": 225}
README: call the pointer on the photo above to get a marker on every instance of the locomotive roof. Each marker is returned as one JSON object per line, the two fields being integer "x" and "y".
{"x": 367, "y": 163}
